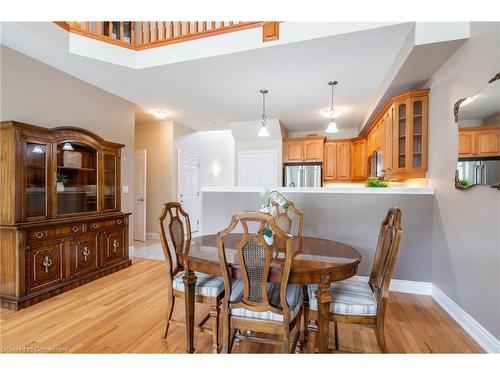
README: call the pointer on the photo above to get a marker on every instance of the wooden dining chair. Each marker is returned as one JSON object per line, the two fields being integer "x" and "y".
{"x": 252, "y": 303}
{"x": 208, "y": 289}
{"x": 361, "y": 302}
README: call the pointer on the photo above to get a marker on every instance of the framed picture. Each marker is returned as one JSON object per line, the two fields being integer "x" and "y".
{"x": 72, "y": 159}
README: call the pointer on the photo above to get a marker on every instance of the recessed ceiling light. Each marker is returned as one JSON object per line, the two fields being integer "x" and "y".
{"x": 160, "y": 114}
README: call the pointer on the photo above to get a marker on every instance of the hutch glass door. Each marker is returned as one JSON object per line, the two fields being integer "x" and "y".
{"x": 76, "y": 179}
{"x": 109, "y": 182}
{"x": 36, "y": 180}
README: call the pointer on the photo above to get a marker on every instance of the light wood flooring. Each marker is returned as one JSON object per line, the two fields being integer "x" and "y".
{"x": 124, "y": 313}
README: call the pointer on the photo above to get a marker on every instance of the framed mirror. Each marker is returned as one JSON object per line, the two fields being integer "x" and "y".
{"x": 478, "y": 120}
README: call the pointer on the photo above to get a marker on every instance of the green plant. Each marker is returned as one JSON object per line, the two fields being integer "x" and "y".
{"x": 62, "y": 178}
{"x": 376, "y": 183}
{"x": 464, "y": 183}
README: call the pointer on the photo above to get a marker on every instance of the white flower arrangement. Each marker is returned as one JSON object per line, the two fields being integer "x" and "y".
{"x": 271, "y": 198}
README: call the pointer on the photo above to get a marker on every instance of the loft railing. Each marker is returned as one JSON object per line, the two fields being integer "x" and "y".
{"x": 143, "y": 35}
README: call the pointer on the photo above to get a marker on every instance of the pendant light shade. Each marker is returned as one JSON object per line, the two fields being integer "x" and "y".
{"x": 332, "y": 126}
{"x": 68, "y": 147}
{"x": 263, "y": 132}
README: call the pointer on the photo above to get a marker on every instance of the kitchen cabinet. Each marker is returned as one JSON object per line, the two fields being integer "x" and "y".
{"x": 306, "y": 149}
{"x": 337, "y": 165}
{"x": 386, "y": 140}
{"x": 359, "y": 160}
{"x": 479, "y": 141}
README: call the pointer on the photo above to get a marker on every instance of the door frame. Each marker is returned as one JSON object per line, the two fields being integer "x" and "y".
{"x": 249, "y": 152}
{"x": 179, "y": 152}
{"x": 145, "y": 194}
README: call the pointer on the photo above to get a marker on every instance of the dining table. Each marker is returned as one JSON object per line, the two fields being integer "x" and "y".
{"x": 314, "y": 261}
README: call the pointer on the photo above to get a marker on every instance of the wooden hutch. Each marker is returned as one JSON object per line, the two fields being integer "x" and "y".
{"x": 60, "y": 221}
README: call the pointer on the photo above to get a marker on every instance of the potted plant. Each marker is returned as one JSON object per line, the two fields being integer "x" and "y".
{"x": 376, "y": 183}
{"x": 464, "y": 183}
{"x": 272, "y": 197}
{"x": 61, "y": 179}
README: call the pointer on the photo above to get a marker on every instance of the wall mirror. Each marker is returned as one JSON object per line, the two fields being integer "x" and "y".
{"x": 478, "y": 120}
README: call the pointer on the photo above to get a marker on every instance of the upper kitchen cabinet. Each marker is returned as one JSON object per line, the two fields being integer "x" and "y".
{"x": 359, "y": 160}
{"x": 479, "y": 141}
{"x": 399, "y": 132}
{"x": 307, "y": 149}
{"x": 337, "y": 165}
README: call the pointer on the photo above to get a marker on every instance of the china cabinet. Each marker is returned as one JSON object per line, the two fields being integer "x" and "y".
{"x": 60, "y": 224}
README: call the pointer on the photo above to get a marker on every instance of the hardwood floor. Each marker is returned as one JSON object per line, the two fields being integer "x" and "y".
{"x": 125, "y": 313}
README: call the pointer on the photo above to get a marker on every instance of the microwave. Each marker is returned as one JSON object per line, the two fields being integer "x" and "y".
{"x": 375, "y": 164}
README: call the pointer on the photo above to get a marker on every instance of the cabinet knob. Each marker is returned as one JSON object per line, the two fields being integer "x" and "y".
{"x": 39, "y": 235}
{"x": 94, "y": 226}
{"x": 115, "y": 244}
{"x": 75, "y": 229}
{"x": 47, "y": 262}
{"x": 118, "y": 221}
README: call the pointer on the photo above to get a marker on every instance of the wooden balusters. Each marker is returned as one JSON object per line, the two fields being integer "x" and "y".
{"x": 171, "y": 29}
{"x": 132, "y": 33}
{"x": 204, "y": 26}
{"x": 163, "y": 30}
{"x": 155, "y": 30}
{"x": 148, "y": 32}
{"x": 122, "y": 32}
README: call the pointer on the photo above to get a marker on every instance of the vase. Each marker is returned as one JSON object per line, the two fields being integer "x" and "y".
{"x": 59, "y": 187}
{"x": 269, "y": 240}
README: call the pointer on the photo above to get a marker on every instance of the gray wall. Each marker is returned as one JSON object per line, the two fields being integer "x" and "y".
{"x": 38, "y": 94}
{"x": 350, "y": 218}
{"x": 466, "y": 249}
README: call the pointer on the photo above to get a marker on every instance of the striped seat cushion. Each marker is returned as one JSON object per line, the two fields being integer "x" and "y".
{"x": 293, "y": 297}
{"x": 350, "y": 298}
{"x": 206, "y": 285}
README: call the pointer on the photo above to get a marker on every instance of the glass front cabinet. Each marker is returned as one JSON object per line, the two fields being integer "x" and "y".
{"x": 60, "y": 206}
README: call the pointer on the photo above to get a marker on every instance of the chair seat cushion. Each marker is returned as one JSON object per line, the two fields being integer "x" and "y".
{"x": 293, "y": 297}
{"x": 351, "y": 297}
{"x": 206, "y": 285}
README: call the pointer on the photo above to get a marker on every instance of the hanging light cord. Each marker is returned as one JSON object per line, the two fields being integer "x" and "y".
{"x": 331, "y": 109}
{"x": 263, "y": 109}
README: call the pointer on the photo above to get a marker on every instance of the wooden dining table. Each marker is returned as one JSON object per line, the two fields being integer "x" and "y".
{"x": 315, "y": 261}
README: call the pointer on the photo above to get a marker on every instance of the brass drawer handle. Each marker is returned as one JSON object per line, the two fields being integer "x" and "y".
{"x": 85, "y": 252}
{"x": 75, "y": 229}
{"x": 115, "y": 244}
{"x": 39, "y": 235}
{"x": 47, "y": 262}
{"x": 118, "y": 221}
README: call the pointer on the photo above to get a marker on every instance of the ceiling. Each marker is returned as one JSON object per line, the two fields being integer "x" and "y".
{"x": 209, "y": 93}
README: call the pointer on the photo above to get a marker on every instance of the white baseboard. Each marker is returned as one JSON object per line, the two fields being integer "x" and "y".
{"x": 405, "y": 286}
{"x": 152, "y": 236}
{"x": 484, "y": 338}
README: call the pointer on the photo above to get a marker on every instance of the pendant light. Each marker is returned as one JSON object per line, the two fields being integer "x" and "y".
{"x": 263, "y": 132}
{"x": 68, "y": 147}
{"x": 332, "y": 126}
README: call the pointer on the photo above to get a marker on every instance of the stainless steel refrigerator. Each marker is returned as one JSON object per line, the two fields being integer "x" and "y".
{"x": 302, "y": 175}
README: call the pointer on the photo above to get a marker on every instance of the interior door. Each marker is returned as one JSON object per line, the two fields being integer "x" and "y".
{"x": 188, "y": 187}
{"x": 140, "y": 195}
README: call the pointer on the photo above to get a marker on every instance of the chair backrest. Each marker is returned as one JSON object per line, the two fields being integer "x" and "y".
{"x": 179, "y": 233}
{"x": 255, "y": 258}
{"x": 386, "y": 253}
{"x": 283, "y": 219}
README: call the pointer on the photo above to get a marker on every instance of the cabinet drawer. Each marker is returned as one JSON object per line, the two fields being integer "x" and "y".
{"x": 96, "y": 225}
{"x": 83, "y": 254}
{"x": 113, "y": 247}
{"x": 44, "y": 264}
{"x": 54, "y": 232}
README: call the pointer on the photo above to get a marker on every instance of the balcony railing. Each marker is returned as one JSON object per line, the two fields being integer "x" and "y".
{"x": 143, "y": 35}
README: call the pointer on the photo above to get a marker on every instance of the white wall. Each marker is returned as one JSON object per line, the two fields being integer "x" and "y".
{"x": 466, "y": 249}
{"x": 216, "y": 151}
{"x": 38, "y": 94}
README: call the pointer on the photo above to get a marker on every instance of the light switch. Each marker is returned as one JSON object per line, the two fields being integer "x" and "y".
{"x": 124, "y": 189}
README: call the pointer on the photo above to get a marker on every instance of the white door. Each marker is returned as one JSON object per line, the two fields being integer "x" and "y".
{"x": 188, "y": 186}
{"x": 140, "y": 195}
{"x": 257, "y": 168}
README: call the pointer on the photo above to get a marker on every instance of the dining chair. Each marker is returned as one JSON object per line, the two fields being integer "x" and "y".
{"x": 364, "y": 302}
{"x": 291, "y": 220}
{"x": 252, "y": 303}
{"x": 209, "y": 289}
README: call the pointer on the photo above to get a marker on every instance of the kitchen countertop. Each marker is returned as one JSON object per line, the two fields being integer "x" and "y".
{"x": 345, "y": 189}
